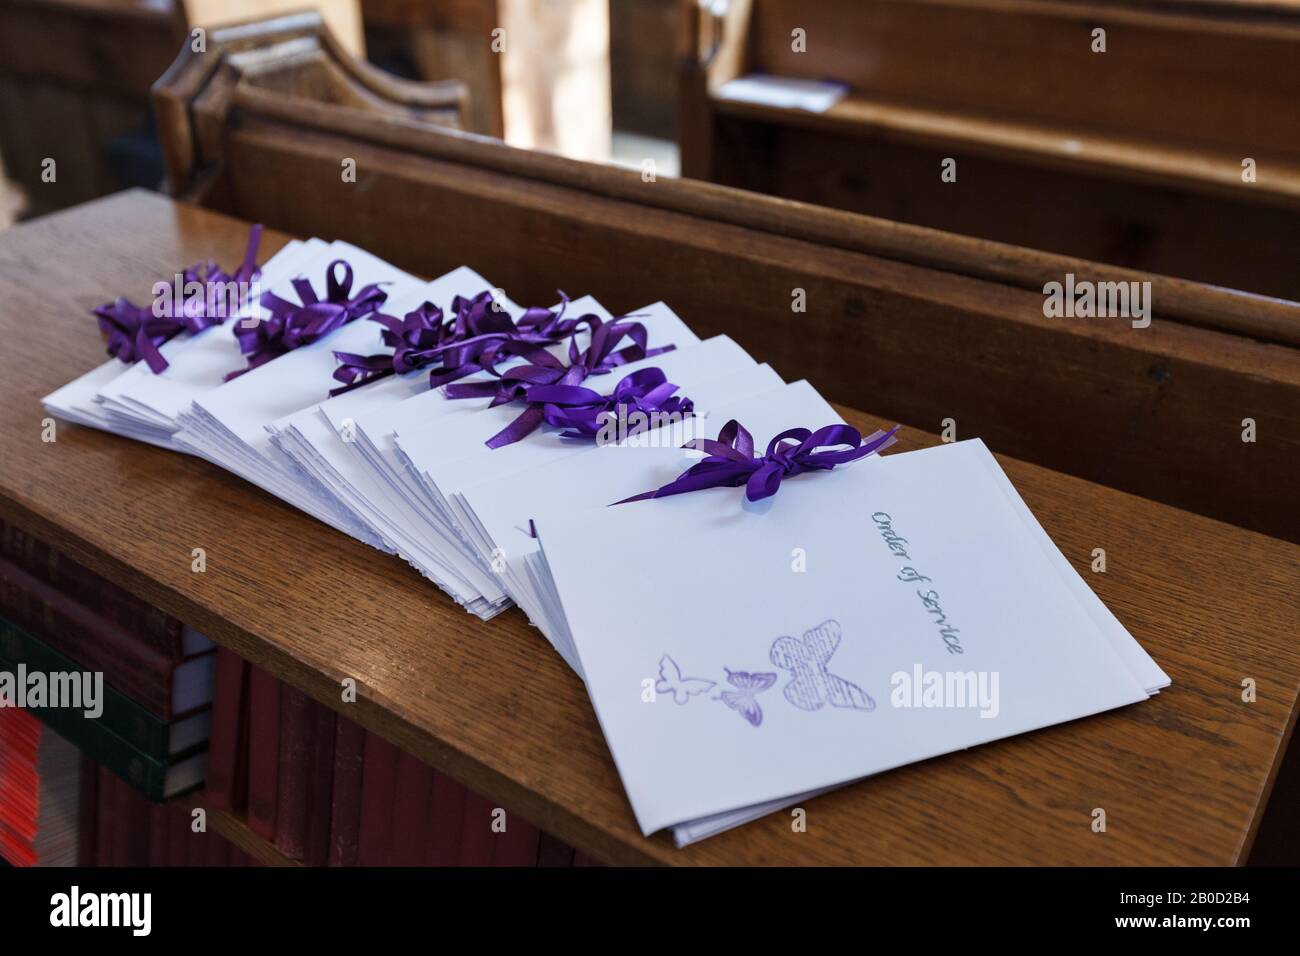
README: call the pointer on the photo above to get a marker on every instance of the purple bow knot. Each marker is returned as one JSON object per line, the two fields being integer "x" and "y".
{"x": 586, "y": 412}
{"x": 543, "y": 368}
{"x": 133, "y": 333}
{"x": 731, "y": 461}
{"x": 293, "y": 326}
{"x": 414, "y": 340}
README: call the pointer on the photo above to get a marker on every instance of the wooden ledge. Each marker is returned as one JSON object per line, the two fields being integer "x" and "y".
{"x": 1183, "y": 778}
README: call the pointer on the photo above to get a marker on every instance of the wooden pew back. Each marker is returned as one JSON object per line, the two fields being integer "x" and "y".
{"x": 1174, "y": 151}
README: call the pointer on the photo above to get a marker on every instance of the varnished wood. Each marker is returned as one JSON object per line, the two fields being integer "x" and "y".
{"x": 1132, "y": 156}
{"x": 1183, "y": 778}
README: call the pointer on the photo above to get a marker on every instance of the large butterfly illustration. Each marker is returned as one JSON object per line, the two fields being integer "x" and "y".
{"x": 672, "y": 682}
{"x": 812, "y": 685}
{"x": 748, "y": 687}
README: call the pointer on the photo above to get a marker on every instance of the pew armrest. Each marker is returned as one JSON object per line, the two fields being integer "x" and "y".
{"x": 295, "y": 60}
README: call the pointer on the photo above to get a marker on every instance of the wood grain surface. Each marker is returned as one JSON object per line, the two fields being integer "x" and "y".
{"x": 1183, "y": 778}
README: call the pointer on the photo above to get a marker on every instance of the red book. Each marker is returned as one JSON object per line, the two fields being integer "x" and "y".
{"x": 477, "y": 839}
{"x": 552, "y": 851}
{"x": 132, "y": 846}
{"x": 411, "y": 811}
{"x": 94, "y": 642}
{"x": 218, "y": 849}
{"x": 581, "y": 859}
{"x": 446, "y": 821}
{"x": 345, "y": 793}
{"x": 264, "y": 751}
{"x": 295, "y": 768}
{"x": 378, "y": 787}
{"x": 88, "y": 812}
{"x": 159, "y": 631}
{"x": 517, "y": 846}
{"x": 320, "y": 791}
{"x": 159, "y": 830}
{"x": 225, "y": 755}
{"x": 178, "y": 835}
{"x": 106, "y": 820}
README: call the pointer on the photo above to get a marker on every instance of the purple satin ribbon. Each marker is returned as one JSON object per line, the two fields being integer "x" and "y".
{"x": 585, "y": 412}
{"x": 133, "y": 333}
{"x": 412, "y": 338}
{"x": 731, "y": 461}
{"x": 292, "y": 326}
{"x": 542, "y": 368}
{"x": 472, "y": 340}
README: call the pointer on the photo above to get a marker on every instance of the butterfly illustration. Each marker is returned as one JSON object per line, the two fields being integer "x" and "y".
{"x": 672, "y": 682}
{"x": 811, "y": 684}
{"x": 742, "y": 699}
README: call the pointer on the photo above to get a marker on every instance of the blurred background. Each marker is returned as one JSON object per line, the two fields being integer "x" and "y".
{"x": 1161, "y": 135}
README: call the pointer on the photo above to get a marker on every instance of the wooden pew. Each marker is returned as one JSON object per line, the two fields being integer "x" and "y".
{"x": 1184, "y": 778}
{"x": 917, "y": 325}
{"x": 74, "y": 85}
{"x": 1133, "y": 156}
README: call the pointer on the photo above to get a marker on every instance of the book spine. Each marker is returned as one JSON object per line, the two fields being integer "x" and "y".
{"x": 378, "y": 786}
{"x": 106, "y": 818}
{"x": 516, "y": 845}
{"x": 264, "y": 751}
{"x": 135, "y": 768}
{"x": 157, "y": 629}
{"x": 552, "y": 851}
{"x": 477, "y": 841}
{"x": 345, "y": 793}
{"x": 87, "y": 811}
{"x": 446, "y": 821}
{"x": 225, "y": 735}
{"x": 179, "y": 836}
{"x": 159, "y": 825}
{"x": 137, "y": 671}
{"x": 133, "y": 723}
{"x": 411, "y": 811}
{"x": 295, "y": 768}
{"x": 321, "y": 786}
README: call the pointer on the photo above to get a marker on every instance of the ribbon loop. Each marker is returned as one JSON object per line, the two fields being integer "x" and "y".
{"x": 133, "y": 333}
{"x": 730, "y": 459}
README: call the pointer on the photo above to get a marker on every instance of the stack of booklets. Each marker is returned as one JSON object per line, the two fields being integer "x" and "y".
{"x": 40, "y": 778}
{"x": 762, "y": 607}
{"x": 140, "y": 682}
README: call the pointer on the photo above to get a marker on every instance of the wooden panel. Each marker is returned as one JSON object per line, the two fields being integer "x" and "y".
{"x": 1238, "y": 240}
{"x": 1204, "y": 79}
{"x": 1183, "y": 777}
{"x": 1132, "y": 157}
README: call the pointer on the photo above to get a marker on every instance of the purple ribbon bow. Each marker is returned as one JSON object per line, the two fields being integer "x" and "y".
{"x": 293, "y": 326}
{"x": 583, "y": 411}
{"x": 483, "y": 334}
{"x": 133, "y": 333}
{"x": 543, "y": 368}
{"x": 731, "y": 461}
{"x": 414, "y": 340}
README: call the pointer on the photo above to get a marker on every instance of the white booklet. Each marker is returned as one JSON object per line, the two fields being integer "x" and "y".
{"x": 887, "y": 611}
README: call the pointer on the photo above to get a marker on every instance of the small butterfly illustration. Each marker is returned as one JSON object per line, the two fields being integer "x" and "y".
{"x": 748, "y": 687}
{"x": 672, "y": 682}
